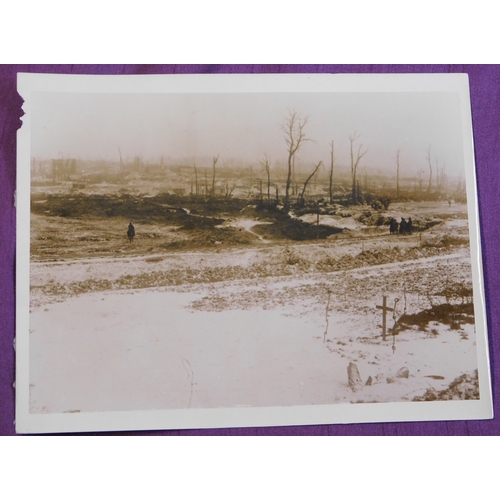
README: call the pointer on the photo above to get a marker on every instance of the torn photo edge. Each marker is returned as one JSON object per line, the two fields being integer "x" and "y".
{"x": 27, "y": 422}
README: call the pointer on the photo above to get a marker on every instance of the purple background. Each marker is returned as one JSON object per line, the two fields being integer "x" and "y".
{"x": 485, "y": 97}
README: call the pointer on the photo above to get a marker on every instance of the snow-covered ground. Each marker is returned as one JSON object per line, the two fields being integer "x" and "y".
{"x": 256, "y": 342}
{"x": 333, "y": 221}
{"x": 273, "y": 324}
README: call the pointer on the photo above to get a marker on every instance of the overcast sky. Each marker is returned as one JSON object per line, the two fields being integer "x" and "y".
{"x": 246, "y": 126}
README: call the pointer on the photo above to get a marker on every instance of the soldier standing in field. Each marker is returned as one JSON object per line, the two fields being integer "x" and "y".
{"x": 402, "y": 226}
{"x": 131, "y": 232}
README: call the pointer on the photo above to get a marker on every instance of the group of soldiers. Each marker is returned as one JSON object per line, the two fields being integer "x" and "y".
{"x": 403, "y": 227}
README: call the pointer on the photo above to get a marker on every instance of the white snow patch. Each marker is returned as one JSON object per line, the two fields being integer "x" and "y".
{"x": 333, "y": 221}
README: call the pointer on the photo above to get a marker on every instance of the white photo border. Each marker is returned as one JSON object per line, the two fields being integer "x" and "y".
{"x": 27, "y": 422}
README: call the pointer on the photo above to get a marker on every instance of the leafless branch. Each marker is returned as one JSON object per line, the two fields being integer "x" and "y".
{"x": 308, "y": 179}
{"x": 355, "y": 159}
{"x": 267, "y": 167}
{"x": 295, "y": 136}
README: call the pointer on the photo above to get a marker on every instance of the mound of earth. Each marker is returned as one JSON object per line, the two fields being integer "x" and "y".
{"x": 464, "y": 387}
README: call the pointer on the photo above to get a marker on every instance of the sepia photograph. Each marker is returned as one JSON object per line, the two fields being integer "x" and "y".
{"x": 231, "y": 250}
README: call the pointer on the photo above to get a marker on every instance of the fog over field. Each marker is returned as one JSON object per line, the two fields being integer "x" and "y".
{"x": 243, "y": 127}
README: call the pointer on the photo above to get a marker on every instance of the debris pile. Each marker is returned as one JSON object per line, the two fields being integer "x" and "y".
{"x": 464, "y": 387}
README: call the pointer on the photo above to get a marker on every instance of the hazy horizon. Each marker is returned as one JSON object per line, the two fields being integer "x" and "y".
{"x": 243, "y": 127}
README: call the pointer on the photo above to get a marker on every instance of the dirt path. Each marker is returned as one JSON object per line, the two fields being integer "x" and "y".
{"x": 269, "y": 256}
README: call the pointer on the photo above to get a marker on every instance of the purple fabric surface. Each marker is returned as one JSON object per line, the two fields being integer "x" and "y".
{"x": 485, "y": 96}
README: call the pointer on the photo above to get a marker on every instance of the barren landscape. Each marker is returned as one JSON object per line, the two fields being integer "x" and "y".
{"x": 249, "y": 250}
{"x": 237, "y": 316}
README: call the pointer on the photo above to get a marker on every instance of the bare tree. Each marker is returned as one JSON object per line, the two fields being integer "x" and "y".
{"x": 121, "y": 159}
{"x": 429, "y": 161}
{"x": 63, "y": 168}
{"x": 420, "y": 181}
{"x": 229, "y": 190}
{"x": 196, "y": 180}
{"x": 301, "y": 198}
{"x": 138, "y": 163}
{"x": 214, "y": 162}
{"x": 442, "y": 179}
{"x": 294, "y": 138}
{"x": 267, "y": 167}
{"x": 397, "y": 173}
{"x": 355, "y": 159}
{"x": 437, "y": 175}
{"x": 460, "y": 194}
{"x": 332, "y": 163}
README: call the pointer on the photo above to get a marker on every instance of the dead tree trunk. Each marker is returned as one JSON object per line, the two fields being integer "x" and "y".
{"x": 430, "y": 170}
{"x": 355, "y": 159}
{"x": 267, "y": 167}
{"x": 214, "y": 162}
{"x": 397, "y": 174}
{"x": 121, "y": 159}
{"x": 420, "y": 182}
{"x": 301, "y": 198}
{"x": 294, "y": 138}
{"x": 196, "y": 180}
{"x": 443, "y": 179}
{"x": 438, "y": 180}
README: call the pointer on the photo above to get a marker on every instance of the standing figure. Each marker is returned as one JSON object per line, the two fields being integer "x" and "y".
{"x": 130, "y": 232}
{"x": 402, "y": 226}
{"x": 409, "y": 226}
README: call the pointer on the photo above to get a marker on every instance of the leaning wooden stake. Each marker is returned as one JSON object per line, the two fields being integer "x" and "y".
{"x": 326, "y": 317}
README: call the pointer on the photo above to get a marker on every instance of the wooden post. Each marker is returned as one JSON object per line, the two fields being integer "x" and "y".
{"x": 384, "y": 320}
